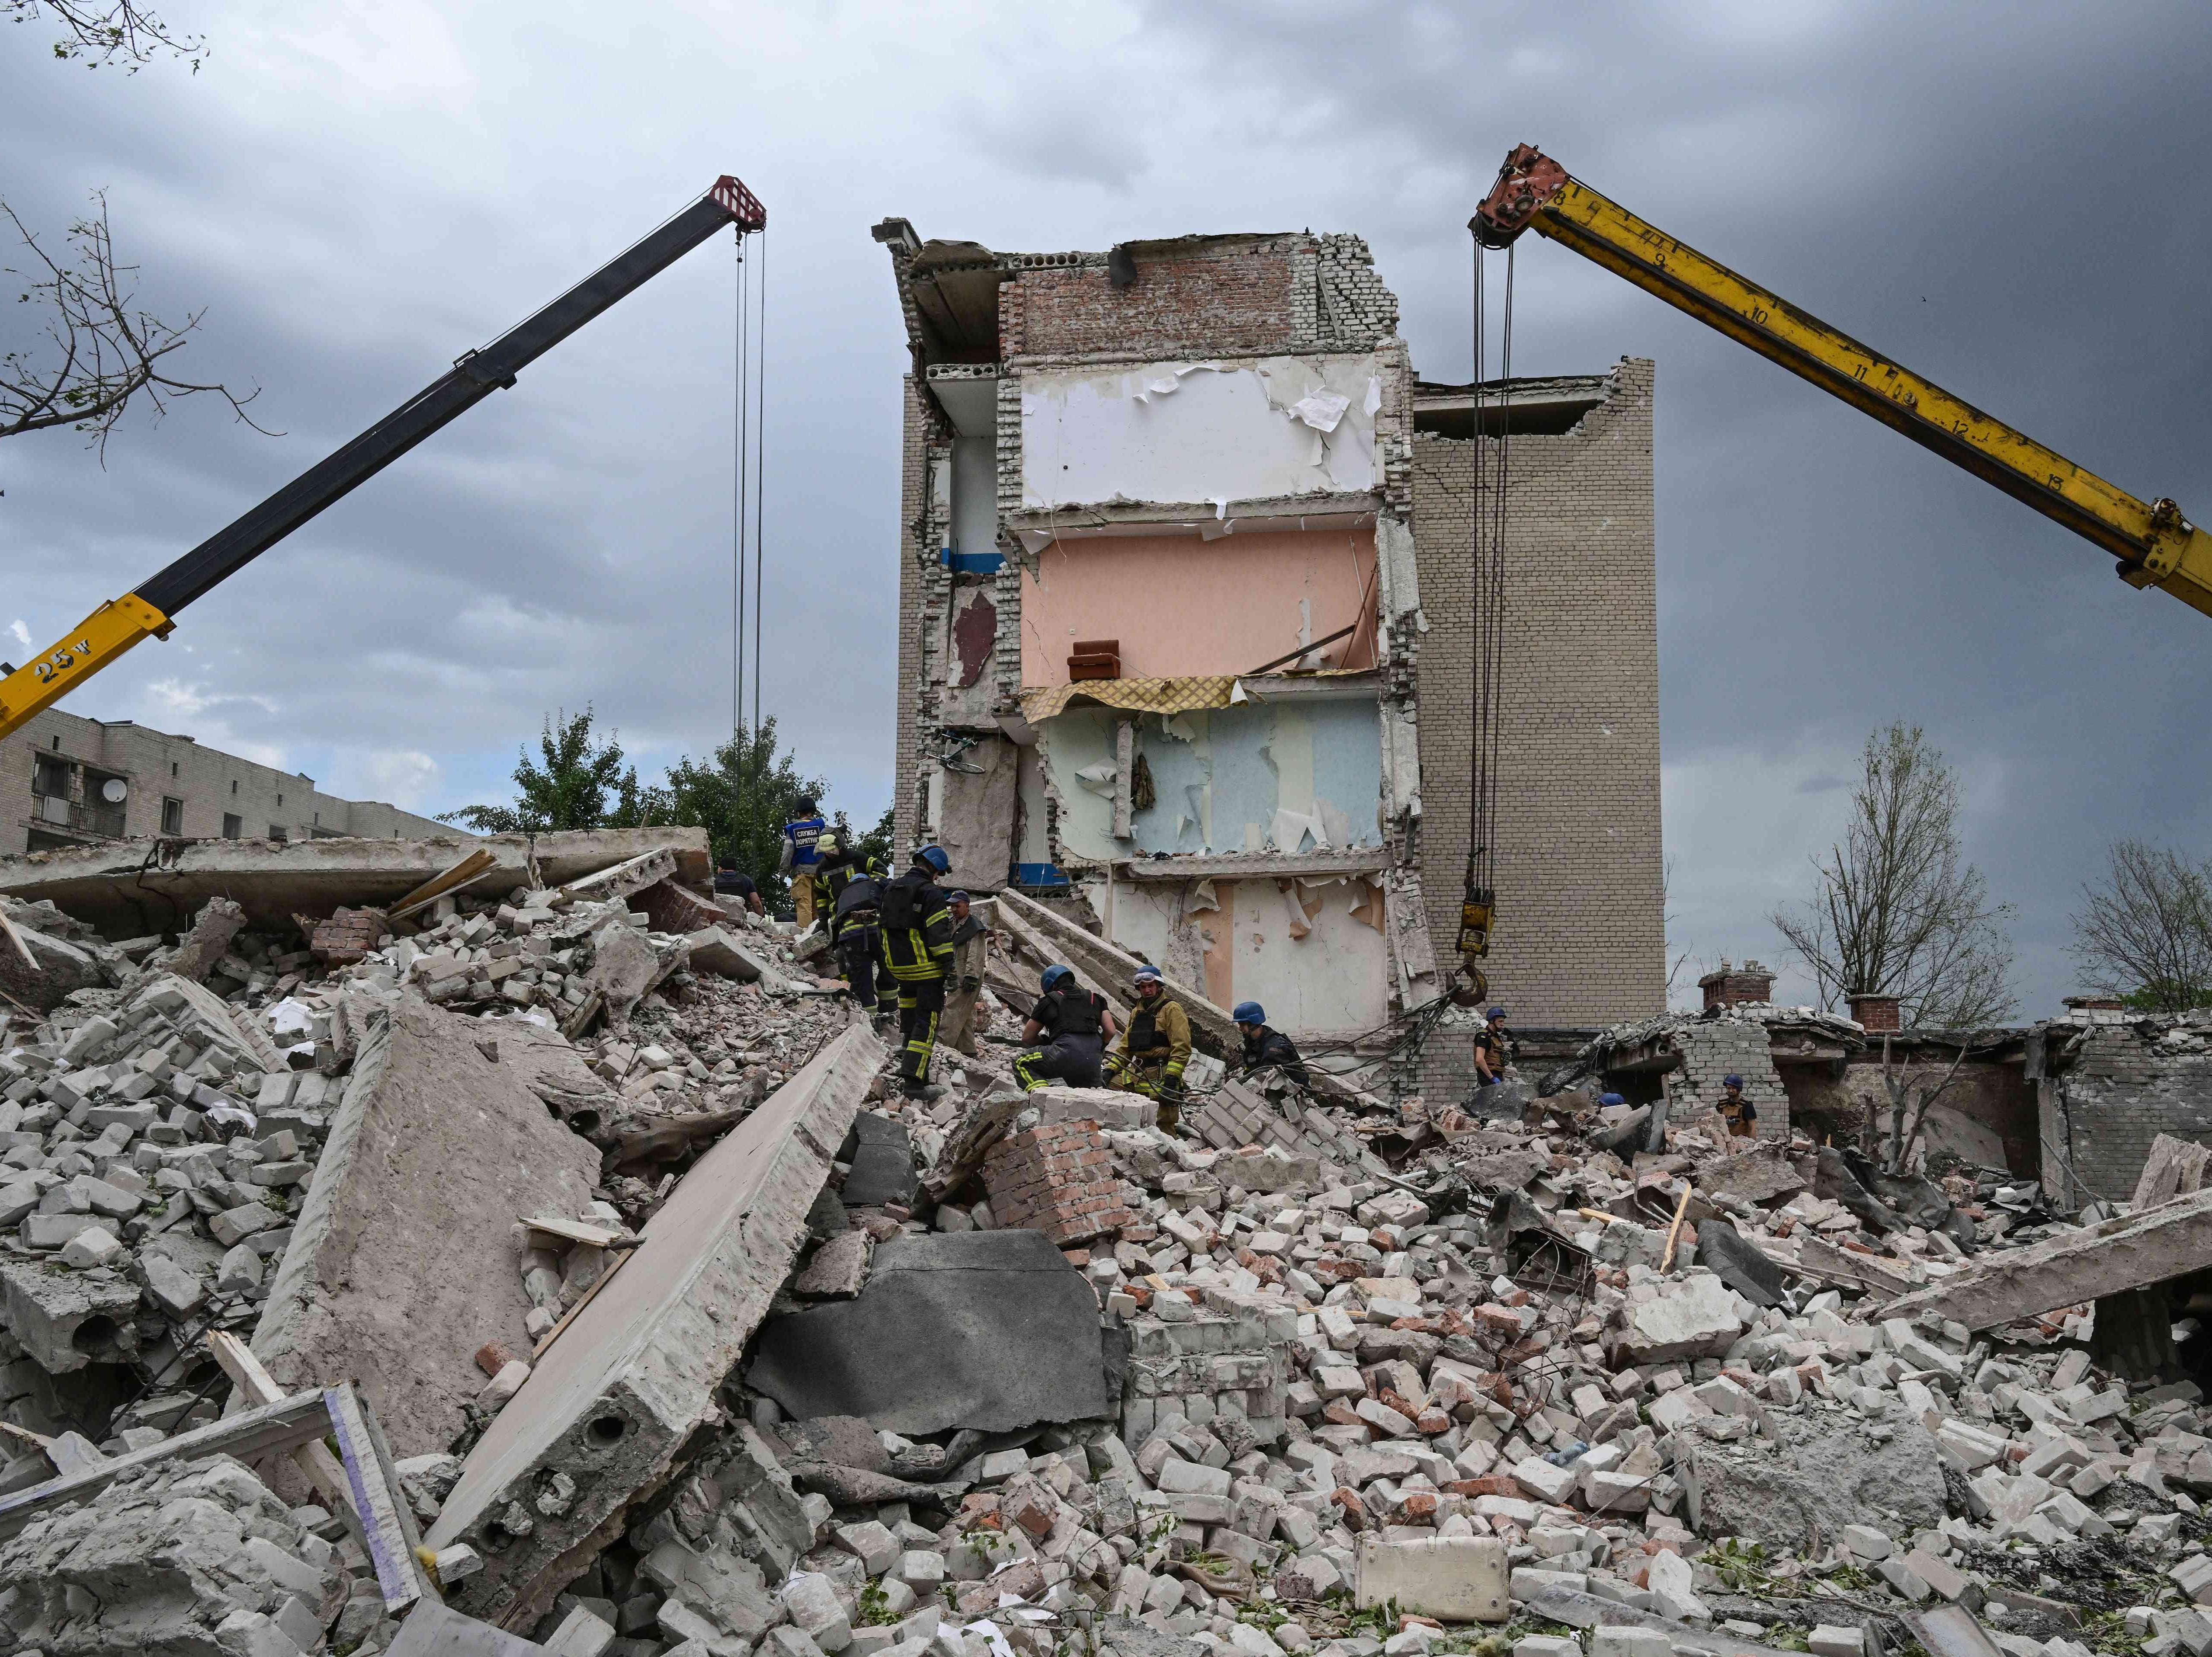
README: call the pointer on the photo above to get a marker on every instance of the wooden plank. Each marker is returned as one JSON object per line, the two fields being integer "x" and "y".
{"x": 1675, "y": 1231}
{"x": 280, "y": 1426}
{"x": 256, "y": 1386}
{"x": 469, "y": 869}
{"x": 384, "y": 1520}
{"x": 583, "y": 1301}
{"x": 17, "y": 938}
{"x": 583, "y": 1231}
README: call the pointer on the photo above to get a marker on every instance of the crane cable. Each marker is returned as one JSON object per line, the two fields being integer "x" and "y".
{"x": 751, "y": 423}
{"x": 1486, "y": 535}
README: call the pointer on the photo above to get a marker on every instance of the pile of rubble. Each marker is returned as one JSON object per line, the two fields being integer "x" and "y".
{"x": 561, "y": 1272}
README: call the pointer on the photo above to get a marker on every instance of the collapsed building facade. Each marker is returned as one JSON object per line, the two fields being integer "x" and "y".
{"x": 1187, "y": 626}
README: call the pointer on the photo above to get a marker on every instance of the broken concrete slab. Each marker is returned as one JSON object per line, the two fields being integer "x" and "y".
{"x": 880, "y": 1153}
{"x": 403, "y": 1264}
{"x": 626, "y": 965}
{"x": 434, "y": 1630}
{"x": 952, "y": 1306}
{"x": 67, "y": 1319}
{"x": 2168, "y": 1240}
{"x": 610, "y": 1404}
{"x": 1800, "y": 1490}
{"x": 119, "y": 889}
{"x": 206, "y": 941}
{"x": 2174, "y": 1168}
{"x": 1692, "y": 1318}
{"x": 1212, "y": 1030}
{"x": 1764, "y": 1175}
{"x": 1455, "y": 1578}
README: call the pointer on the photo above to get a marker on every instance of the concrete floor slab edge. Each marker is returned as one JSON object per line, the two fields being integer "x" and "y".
{"x": 641, "y": 1371}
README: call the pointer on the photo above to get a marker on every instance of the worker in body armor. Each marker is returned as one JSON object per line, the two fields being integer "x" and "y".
{"x": 1264, "y": 1046}
{"x": 1492, "y": 1050}
{"x": 1738, "y": 1112}
{"x": 971, "y": 938}
{"x": 856, "y": 932}
{"x": 917, "y": 952}
{"x": 1076, "y": 1027}
{"x": 797, "y": 857}
{"x": 1154, "y": 1049}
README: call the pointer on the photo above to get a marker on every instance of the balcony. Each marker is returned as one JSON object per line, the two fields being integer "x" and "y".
{"x": 54, "y": 811}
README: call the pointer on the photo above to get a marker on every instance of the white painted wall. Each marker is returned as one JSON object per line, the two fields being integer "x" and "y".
{"x": 1183, "y": 431}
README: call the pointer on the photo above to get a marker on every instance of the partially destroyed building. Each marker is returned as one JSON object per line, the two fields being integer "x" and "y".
{"x": 1186, "y": 621}
{"x": 66, "y": 780}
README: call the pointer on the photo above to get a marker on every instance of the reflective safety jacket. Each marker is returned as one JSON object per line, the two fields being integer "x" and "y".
{"x": 917, "y": 922}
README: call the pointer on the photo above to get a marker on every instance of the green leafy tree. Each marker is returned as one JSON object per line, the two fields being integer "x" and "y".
{"x": 876, "y": 844}
{"x": 742, "y": 795}
{"x": 568, "y": 787}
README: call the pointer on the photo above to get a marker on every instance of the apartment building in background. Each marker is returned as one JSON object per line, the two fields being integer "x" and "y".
{"x": 66, "y": 780}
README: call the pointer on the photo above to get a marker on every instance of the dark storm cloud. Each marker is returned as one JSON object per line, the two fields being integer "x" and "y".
{"x": 2010, "y": 199}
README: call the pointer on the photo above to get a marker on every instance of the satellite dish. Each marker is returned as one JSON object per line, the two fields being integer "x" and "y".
{"x": 115, "y": 791}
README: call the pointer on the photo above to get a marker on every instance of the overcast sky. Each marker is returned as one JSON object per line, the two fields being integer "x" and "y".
{"x": 2012, "y": 199}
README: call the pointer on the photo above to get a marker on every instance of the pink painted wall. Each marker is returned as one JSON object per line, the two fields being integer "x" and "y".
{"x": 1183, "y": 606}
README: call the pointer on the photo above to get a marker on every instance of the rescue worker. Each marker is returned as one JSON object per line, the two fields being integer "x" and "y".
{"x": 797, "y": 857}
{"x": 1076, "y": 1026}
{"x": 970, "y": 938}
{"x": 917, "y": 952}
{"x": 1738, "y": 1112}
{"x": 731, "y": 882}
{"x": 1154, "y": 1049}
{"x": 837, "y": 860}
{"x": 1264, "y": 1046}
{"x": 856, "y": 933}
{"x": 1489, "y": 1051}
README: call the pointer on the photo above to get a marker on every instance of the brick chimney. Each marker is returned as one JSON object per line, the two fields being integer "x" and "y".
{"x": 1877, "y": 1013}
{"x": 1729, "y": 985}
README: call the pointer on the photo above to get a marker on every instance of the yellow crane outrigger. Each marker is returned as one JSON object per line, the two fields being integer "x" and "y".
{"x": 2156, "y": 546}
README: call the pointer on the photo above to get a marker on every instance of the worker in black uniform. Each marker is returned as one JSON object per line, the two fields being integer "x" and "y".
{"x": 856, "y": 933}
{"x": 917, "y": 952}
{"x": 1076, "y": 1026}
{"x": 730, "y": 881}
{"x": 1264, "y": 1046}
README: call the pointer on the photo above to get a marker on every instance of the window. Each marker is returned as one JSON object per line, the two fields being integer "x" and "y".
{"x": 232, "y": 827}
{"x": 172, "y": 816}
{"x": 49, "y": 777}
{"x": 277, "y": 833}
{"x": 280, "y": 802}
{"x": 233, "y": 784}
{"x": 173, "y": 767}
{"x": 56, "y": 744}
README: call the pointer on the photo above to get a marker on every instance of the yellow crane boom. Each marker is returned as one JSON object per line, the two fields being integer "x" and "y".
{"x": 2156, "y": 545}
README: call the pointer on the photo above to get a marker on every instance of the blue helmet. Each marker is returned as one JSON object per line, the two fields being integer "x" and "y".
{"x": 1149, "y": 975}
{"x": 1610, "y": 1098}
{"x": 933, "y": 859}
{"x": 1248, "y": 1012}
{"x": 1731, "y": 1081}
{"x": 958, "y": 897}
{"x": 1496, "y": 1013}
{"x": 1054, "y": 974}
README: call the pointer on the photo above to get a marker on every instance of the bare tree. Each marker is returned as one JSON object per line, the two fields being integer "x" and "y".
{"x": 1913, "y": 1090}
{"x": 1896, "y": 910}
{"x": 93, "y": 349}
{"x": 107, "y": 33}
{"x": 1667, "y": 918}
{"x": 2145, "y": 929}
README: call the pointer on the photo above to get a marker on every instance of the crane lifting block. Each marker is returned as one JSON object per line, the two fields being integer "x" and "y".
{"x": 91, "y": 645}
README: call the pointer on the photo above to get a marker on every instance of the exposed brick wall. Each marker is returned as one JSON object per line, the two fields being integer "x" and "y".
{"x": 1714, "y": 1049}
{"x": 1058, "y": 1180}
{"x": 1581, "y": 936}
{"x": 919, "y": 428}
{"x": 1242, "y": 303}
{"x": 2131, "y": 1081}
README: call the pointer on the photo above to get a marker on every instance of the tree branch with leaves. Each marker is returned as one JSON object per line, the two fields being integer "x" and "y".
{"x": 1896, "y": 909}
{"x": 95, "y": 349}
{"x": 107, "y": 33}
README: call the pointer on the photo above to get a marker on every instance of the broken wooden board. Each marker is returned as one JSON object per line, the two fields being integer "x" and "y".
{"x": 475, "y": 866}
